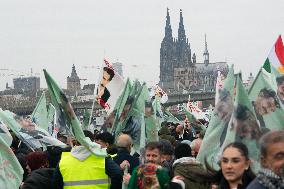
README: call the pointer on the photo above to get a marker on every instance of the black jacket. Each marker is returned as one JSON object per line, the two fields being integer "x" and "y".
{"x": 255, "y": 185}
{"x": 123, "y": 154}
{"x": 40, "y": 178}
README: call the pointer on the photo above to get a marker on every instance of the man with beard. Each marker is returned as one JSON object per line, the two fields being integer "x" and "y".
{"x": 151, "y": 174}
{"x": 271, "y": 176}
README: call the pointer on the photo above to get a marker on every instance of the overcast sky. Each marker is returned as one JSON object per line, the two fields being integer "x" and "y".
{"x": 54, "y": 34}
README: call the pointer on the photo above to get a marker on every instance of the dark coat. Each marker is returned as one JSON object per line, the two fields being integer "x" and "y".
{"x": 165, "y": 134}
{"x": 40, "y": 178}
{"x": 123, "y": 154}
{"x": 255, "y": 185}
{"x": 54, "y": 154}
{"x": 187, "y": 135}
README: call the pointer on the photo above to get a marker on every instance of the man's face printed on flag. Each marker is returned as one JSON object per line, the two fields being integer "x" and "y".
{"x": 105, "y": 79}
{"x": 224, "y": 107}
{"x": 280, "y": 88}
{"x": 108, "y": 74}
{"x": 266, "y": 102}
{"x": 27, "y": 124}
{"x": 245, "y": 124}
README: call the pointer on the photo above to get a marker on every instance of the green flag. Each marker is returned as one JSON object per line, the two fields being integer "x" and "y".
{"x": 5, "y": 134}
{"x": 51, "y": 119}
{"x": 218, "y": 125}
{"x": 11, "y": 172}
{"x": 267, "y": 106}
{"x": 169, "y": 117}
{"x": 62, "y": 123}
{"x": 119, "y": 105}
{"x": 133, "y": 122}
{"x": 29, "y": 133}
{"x": 152, "y": 122}
{"x": 244, "y": 126}
{"x": 72, "y": 119}
{"x": 40, "y": 115}
{"x": 194, "y": 121}
{"x": 86, "y": 119}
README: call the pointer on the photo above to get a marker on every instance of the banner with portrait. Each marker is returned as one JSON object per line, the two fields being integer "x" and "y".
{"x": 109, "y": 86}
{"x": 217, "y": 129}
{"x": 28, "y": 132}
{"x": 243, "y": 126}
{"x": 266, "y": 103}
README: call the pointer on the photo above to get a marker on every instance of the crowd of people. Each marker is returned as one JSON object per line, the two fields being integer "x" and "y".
{"x": 169, "y": 163}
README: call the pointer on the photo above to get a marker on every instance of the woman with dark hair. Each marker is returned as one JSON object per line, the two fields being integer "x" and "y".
{"x": 235, "y": 172}
{"x": 39, "y": 173}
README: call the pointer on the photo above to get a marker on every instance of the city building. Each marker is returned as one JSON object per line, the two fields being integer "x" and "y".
{"x": 27, "y": 85}
{"x": 73, "y": 82}
{"x": 179, "y": 70}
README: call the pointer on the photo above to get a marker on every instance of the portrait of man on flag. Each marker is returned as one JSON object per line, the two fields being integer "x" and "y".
{"x": 103, "y": 93}
{"x": 110, "y": 85}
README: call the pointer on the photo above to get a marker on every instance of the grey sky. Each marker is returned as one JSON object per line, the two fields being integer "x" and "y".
{"x": 55, "y": 34}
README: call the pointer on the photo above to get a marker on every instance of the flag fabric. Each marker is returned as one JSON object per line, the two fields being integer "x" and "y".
{"x": 51, "y": 119}
{"x": 86, "y": 119}
{"x": 152, "y": 121}
{"x": 193, "y": 121}
{"x": 243, "y": 126}
{"x": 276, "y": 55}
{"x": 40, "y": 114}
{"x": 263, "y": 95}
{"x": 169, "y": 117}
{"x": 72, "y": 119}
{"x": 157, "y": 91}
{"x": 218, "y": 125}
{"x": 29, "y": 133}
{"x": 112, "y": 120}
{"x": 189, "y": 115}
{"x": 63, "y": 126}
{"x": 5, "y": 134}
{"x": 132, "y": 121}
{"x": 195, "y": 111}
{"x": 138, "y": 112}
{"x": 219, "y": 84}
{"x": 152, "y": 127}
{"x": 109, "y": 87}
{"x": 11, "y": 172}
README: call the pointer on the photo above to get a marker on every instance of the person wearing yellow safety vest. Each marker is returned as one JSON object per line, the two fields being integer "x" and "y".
{"x": 82, "y": 169}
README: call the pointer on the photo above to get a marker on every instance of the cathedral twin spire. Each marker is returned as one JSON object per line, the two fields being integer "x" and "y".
{"x": 181, "y": 31}
{"x": 168, "y": 28}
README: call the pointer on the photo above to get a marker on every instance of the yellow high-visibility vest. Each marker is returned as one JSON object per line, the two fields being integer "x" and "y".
{"x": 87, "y": 174}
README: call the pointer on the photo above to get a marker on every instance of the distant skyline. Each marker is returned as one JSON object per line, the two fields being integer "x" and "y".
{"x": 56, "y": 34}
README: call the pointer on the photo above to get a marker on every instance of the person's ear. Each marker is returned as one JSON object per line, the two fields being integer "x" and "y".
{"x": 263, "y": 162}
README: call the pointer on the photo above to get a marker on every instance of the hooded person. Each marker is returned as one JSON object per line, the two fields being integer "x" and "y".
{"x": 82, "y": 169}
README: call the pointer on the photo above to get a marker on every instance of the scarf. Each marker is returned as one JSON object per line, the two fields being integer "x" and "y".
{"x": 270, "y": 180}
